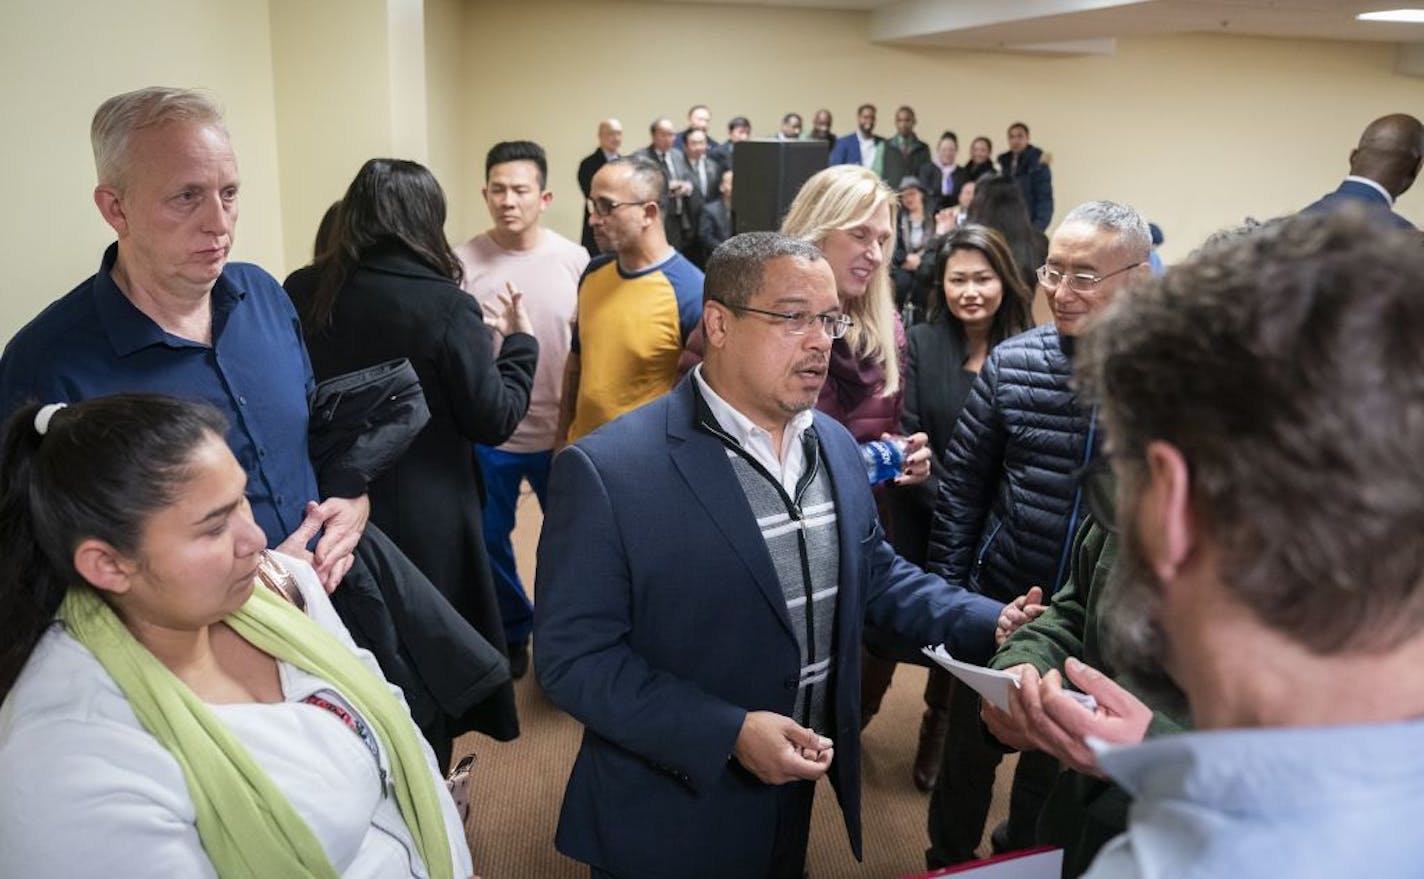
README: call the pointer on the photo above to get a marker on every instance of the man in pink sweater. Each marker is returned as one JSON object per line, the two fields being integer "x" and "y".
{"x": 517, "y": 251}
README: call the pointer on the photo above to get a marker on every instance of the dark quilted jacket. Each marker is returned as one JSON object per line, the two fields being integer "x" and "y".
{"x": 1005, "y": 510}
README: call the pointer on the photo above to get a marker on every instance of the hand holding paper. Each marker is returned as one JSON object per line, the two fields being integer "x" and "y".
{"x": 990, "y": 683}
{"x": 1120, "y": 719}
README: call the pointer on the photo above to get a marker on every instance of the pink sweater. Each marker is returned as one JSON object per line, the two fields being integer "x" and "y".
{"x": 548, "y": 275}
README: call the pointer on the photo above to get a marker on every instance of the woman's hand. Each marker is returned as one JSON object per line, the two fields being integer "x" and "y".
{"x": 915, "y": 468}
{"x": 945, "y": 220}
{"x": 510, "y": 317}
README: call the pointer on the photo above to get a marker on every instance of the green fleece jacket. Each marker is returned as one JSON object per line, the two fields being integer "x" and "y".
{"x": 1082, "y": 812}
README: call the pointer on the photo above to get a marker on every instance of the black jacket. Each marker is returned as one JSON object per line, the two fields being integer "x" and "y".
{"x": 935, "y": 386}
{"x": 933, "y": 179}
{"x": 1007, "y": 505}
{"x": 453, "y": 679}
{"x": 429, "y": 500}
{"x": 360, "y": 423}
{"x": 898, "y": 165}
{"x": 1035, "y": 181}
{"x": 586, "y": 169}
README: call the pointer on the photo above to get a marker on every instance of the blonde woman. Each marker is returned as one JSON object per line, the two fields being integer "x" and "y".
{"x": 850, "y": 214}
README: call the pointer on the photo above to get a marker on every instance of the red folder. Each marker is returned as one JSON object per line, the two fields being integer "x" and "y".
{"x": 1043, "y": 862}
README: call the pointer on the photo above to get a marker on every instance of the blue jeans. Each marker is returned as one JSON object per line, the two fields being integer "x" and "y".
{"x": 503, "y": 474}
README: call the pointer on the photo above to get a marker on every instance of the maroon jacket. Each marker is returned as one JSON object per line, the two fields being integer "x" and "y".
{"x": 851, "y": 394}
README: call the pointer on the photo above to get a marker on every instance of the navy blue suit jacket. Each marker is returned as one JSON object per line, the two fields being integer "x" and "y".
{"x": 1352, "y": 192}
{"x": 661, "y": 622}
{"x": 847, "y": 150}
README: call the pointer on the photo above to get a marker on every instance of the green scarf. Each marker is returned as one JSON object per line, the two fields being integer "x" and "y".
{"x": 247, "y": 826}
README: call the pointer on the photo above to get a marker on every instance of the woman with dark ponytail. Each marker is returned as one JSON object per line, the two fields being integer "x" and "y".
{"x": 177, "y": 701}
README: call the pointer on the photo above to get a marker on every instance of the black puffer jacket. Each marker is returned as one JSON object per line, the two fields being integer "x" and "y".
{"x": 1007, "y": 506}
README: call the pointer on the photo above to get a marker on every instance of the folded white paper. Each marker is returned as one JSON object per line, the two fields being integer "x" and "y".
{"x": 991, "y": 683}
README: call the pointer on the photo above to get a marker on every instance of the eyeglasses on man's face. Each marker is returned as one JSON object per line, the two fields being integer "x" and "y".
{"x": 605, "y": 206}
{"x": 797, "y": 323}
{"x": 1078, "y": 282}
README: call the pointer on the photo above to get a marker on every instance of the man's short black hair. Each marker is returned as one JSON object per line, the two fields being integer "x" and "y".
{"x": 1019, "y": 125}
{"x": 518, "y": 151}
{"x": 739, "y": 122}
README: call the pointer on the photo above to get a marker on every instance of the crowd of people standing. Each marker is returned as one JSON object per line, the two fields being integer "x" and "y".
{"x": 257, "y": 573}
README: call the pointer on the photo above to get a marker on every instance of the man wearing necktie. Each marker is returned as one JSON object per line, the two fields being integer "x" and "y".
{"x": 679, "y": 223}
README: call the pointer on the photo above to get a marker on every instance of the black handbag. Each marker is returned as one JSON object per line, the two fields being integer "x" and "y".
{"x": 361, "y": 422}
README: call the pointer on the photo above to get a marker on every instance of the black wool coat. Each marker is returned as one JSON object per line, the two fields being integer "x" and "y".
{"x": 429, "y": 501}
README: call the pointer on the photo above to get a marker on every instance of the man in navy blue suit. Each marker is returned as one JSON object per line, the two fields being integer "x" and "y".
{"x": 706, "y": 569}
{"x": 862, "y": 146}
{"x": 1382, "y": 168}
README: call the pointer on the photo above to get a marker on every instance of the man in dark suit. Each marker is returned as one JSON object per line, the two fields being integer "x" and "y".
{"x": 706, "y": 175}
{"x": 739, "y": 128}
{"x": 716, "y": 223}
{"x": 610, "y": 138}
{"x": 862, "y": 146}
{"x": 1025, "y": 165}
{"x": 821, "y": 129}
{"x": 905, "y": 153}
{"x": 698, "y": 118}
{"x": 705, "y": 573}
{"x": 678, "y": 222}
{"x": 1382, "y": 168}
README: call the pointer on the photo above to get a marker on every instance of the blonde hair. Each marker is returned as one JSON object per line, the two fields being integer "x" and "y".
{"x": 119, "y": 117}
{"x": 842, "y": 197}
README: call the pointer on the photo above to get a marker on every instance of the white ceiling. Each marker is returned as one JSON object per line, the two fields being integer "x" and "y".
{"x": 1077, "y": 26}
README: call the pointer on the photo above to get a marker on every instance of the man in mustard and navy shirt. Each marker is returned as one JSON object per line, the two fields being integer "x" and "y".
{"x": 636, "y": 305}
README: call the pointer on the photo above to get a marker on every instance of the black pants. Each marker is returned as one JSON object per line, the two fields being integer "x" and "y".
{"x": 965, "y": 788}
{"x": 793, "y": 832}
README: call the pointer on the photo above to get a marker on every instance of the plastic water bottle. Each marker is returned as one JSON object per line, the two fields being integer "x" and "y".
{"x": 883, "y": 459}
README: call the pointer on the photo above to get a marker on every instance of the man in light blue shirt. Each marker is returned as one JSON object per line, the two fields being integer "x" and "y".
{"x": 1264, "y": 407}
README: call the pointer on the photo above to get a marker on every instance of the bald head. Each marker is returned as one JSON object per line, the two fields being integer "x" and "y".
{"x": 1390, "y": 152}
{"x": 610, "y": 135}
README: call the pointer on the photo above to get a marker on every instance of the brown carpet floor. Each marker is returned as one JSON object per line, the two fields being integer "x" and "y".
{"x": 519, "y": 785}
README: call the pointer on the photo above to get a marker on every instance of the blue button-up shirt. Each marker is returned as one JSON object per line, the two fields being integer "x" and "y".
{"x": 1266, "y": 803}
{"x": 94, "y": 341}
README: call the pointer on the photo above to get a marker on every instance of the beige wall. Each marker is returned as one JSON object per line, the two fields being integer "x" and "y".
{"x": 310, "y": 94}
{"x": 445, "y": 89}
{"x": 59, "y": 59}
{"x": 1196, "y": 131}
{"x": 331, "y": 63}
{"x": 350, "y": 85}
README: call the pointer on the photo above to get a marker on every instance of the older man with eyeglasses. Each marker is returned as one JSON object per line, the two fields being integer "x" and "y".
{"x": 706, "y": 570}
{"x": 1008, "y": 510}
{"x": 636, "y": 305}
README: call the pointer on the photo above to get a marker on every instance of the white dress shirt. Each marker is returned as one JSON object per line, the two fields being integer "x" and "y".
{"x": 1389, "y": 199}
{"x": 867, "y": 150}
{"x": 786, "y": 464}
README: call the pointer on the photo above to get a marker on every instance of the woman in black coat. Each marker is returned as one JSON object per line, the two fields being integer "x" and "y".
{"x": 981, "y": 301}
{"x": 389, "y": 288}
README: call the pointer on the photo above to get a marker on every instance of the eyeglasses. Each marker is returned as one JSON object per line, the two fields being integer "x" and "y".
{"x": 1082, "y": 282}
{"x": 1099, "y": 488}
{"x": 796, "y": 323}
{"x": 605, "y": 206}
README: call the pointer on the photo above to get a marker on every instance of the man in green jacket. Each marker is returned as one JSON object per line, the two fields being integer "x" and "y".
{"x": 1084, "y": 810}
